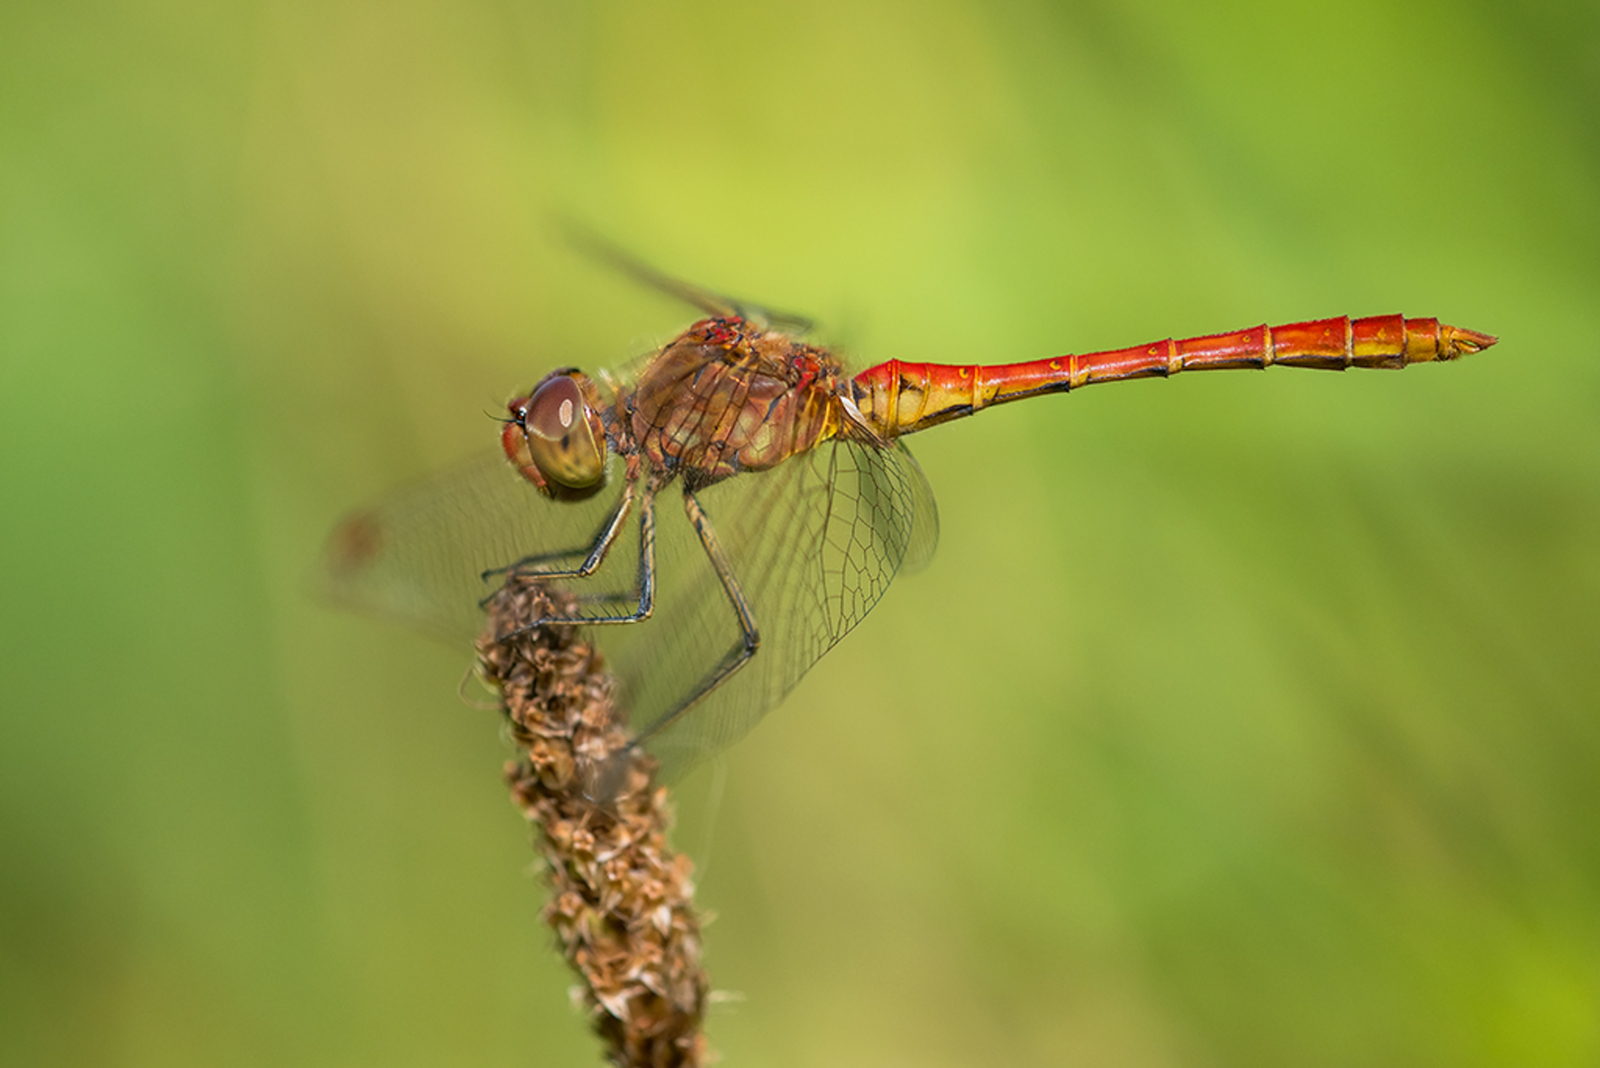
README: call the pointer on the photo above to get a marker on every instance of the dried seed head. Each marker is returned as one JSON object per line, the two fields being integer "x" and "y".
{"x": 622, "y": 902}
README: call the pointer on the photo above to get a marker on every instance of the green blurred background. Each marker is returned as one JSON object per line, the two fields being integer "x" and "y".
{"x": 1241, "y": 720}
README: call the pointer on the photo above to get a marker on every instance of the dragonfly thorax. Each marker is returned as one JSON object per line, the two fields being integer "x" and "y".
{"x": 725, "y": 397}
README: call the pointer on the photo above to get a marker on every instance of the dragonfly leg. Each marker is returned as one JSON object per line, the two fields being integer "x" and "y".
{"x": 646, "y": 593}
{"x": 749, "y": 637}
{"x": 598, "y": 547}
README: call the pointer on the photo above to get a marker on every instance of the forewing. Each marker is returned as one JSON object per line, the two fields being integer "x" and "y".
{"x": 428, "y": 554}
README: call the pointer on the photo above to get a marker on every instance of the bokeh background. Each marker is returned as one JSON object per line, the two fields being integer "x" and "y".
{"x": 1244, "y": 719}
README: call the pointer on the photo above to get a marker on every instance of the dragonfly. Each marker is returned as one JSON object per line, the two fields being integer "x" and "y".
{"x": 730, "y": 506}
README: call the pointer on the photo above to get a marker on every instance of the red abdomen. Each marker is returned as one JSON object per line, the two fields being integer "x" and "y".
{"x": 899, "y": 398}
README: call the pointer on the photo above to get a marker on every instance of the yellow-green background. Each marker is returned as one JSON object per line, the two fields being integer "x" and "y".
{"x": 1241, "y": 720}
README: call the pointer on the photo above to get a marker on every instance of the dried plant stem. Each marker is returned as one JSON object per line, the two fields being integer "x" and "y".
{"x": 622, "y": 901}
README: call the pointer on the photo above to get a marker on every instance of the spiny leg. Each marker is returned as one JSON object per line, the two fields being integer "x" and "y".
{"x": 749, "y": 637}
{"x": 598, "y": 548}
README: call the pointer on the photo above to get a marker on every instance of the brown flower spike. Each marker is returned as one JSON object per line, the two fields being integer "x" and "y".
{"x": 621, "y": 900}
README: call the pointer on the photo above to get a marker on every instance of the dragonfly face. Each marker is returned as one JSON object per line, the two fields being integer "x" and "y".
{"x": 555, "y": 437}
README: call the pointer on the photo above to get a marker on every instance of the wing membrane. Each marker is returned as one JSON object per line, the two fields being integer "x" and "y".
{"x": 813, "y": 543}
{"x": 420, "y": 556}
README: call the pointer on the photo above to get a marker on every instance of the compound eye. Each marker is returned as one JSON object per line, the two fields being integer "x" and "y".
{"x": 563, "y": 434}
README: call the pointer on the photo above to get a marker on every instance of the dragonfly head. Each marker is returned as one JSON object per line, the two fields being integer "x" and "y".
{"x": 555, "y": 438}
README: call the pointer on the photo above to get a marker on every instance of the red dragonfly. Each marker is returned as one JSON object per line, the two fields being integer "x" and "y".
{"x": 794, "y": 502}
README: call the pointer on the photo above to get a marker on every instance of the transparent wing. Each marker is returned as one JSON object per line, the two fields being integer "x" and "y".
{"x": 619, "y": 259}
{"x": 427, "y": 555}
{"x": 813, "y": 543}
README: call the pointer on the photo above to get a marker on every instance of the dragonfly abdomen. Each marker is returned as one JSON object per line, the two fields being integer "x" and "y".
{"x": 900, "y": 398}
